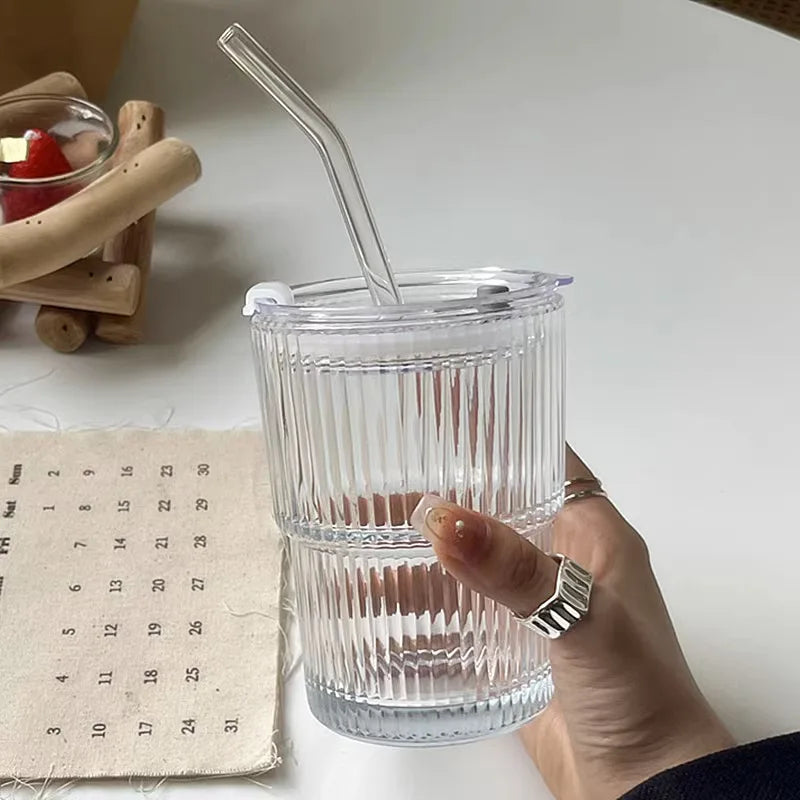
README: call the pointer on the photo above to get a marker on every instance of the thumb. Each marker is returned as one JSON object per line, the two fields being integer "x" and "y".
{"x": 486, "y": 555}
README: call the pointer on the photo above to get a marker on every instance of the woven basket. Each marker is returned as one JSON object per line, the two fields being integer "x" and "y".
{"x": 782, "y": 15}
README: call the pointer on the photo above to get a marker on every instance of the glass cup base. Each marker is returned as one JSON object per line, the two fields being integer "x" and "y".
{"x": 428, "y": 726}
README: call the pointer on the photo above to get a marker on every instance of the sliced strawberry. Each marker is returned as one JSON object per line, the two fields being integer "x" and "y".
{"x": 45, "y": 160}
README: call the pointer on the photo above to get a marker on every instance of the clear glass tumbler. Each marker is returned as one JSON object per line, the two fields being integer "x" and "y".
{"x": 458, "y": 392}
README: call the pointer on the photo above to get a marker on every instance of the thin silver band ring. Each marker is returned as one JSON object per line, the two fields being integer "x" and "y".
{"x": 584, "y": 494}
{"x": 582, "y": 489}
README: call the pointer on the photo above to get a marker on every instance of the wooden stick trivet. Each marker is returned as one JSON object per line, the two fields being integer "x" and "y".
{"x": 62, "y": 83}
{"x": 140, "y": 125}
{"x": 45, "y": 242}
{"x": 90, "y": 284}
{"x": 64, "y": 332}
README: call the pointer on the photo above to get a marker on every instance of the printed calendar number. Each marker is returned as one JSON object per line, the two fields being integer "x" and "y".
{"x": 123, "y": 506}
{"x": 150, "y": 676}
{"x": 200, "y": 542}
{"x": 99, "y": 730}
{"x": 110, "y": 630}
{"x": 198, "y": 585}
{"x": 192, "y": 675}
{"x": 105, "y": 678}
{"x": 88, "y": 473}
{"x": 120, "y": 543}
{"x": 85, "y": 507}
{"x": 164, "y": 506}
{"x": 55, "y": 731}
{"x": 158, "y": 585}
{"x": 188, "y": 727}
{"x": 162, "y": 543}
{"x": 167, "y": 471}
{"x": 75, "y": 587}
{"x": 231, "y": 725}
{"x": 145, "y": 729}
{"x": 115, "y": 587}
{"x": 203, "y": 470}
{"x": 126, "y": 472}
{"x": 154, "y": 629}
{"x": 68, "y": 631}
{"x": 196, "y": 628}
{"x": 201, "y": 504}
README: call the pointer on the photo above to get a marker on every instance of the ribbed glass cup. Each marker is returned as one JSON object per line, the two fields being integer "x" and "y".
{"x": 458, "y": 392}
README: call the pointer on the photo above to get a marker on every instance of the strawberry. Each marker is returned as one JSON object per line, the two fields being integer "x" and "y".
{"x": 45, "y": 160}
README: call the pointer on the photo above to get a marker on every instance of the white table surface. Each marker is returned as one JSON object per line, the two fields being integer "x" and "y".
{"x": 649, "y": 147}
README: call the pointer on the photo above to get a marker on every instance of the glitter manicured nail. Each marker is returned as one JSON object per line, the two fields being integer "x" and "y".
{"x": 465, "y": 535}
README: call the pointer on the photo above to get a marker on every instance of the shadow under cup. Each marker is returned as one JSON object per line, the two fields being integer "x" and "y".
{"x": 458, "y": 392}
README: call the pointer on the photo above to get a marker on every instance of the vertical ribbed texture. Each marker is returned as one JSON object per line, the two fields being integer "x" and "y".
{"x": 395, "y": 649}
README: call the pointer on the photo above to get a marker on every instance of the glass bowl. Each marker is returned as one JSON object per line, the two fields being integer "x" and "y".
{"x": 86, "y": 135}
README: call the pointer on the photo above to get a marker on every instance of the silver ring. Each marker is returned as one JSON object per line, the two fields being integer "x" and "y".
{"x": 570, "y": 482}
{"x": 567, "y": 606}
{"x": 583, "y": 494}
{"x": 582, "y": 488}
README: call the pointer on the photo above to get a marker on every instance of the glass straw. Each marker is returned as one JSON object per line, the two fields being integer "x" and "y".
{"x": 251, "y": 58}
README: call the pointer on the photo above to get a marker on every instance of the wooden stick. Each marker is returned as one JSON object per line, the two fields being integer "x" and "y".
{"x": 140, "y": 125}
{"x": 90, "y": 284}
{"x": 63, "y": 83}
{"x": 63, "y": 329}
{"x": 63, "y": 233}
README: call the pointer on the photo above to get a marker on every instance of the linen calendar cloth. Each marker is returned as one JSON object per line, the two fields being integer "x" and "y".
{"x": 140, "y": 596}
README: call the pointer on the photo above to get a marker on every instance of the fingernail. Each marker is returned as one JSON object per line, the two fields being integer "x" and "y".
{"x": 465, "y": 534}
{"x": 432, "y": 518}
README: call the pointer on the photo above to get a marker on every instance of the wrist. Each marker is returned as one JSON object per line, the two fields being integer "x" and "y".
{"x": 692, "y": 740}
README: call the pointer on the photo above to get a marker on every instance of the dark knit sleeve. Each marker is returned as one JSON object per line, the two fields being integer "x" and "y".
{"x": 767, "y": 770}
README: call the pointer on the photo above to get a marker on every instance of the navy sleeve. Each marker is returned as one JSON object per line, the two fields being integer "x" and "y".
{"x": 767, "y": 770}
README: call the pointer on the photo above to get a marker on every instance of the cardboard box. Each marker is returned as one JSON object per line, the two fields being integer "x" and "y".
{"x": 84, "y": 37}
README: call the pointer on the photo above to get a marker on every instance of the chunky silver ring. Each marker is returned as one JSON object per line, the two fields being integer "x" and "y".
{"x": 567, "y": 606}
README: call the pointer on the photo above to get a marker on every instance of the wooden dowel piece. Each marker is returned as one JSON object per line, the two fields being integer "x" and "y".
{"x": 141, "y": 124}
{"x": 45, "y": 242}
{"x": 63, "y": 329}
{"x": 90, "y": 284}
{"x": 63, "y": 83}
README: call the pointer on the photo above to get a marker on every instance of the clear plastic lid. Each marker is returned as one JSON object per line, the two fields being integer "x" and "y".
{"x": 431, "y": 299}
